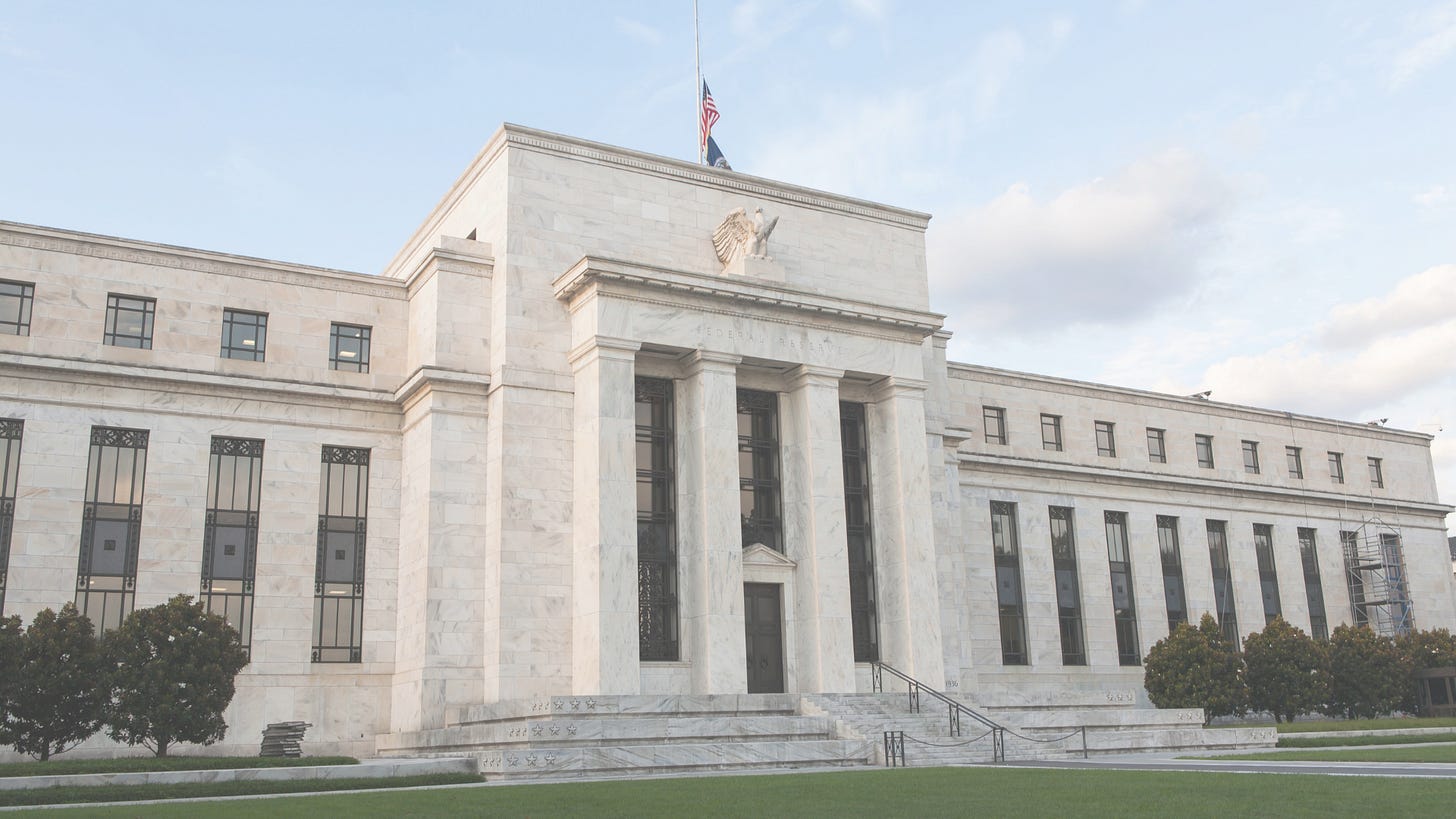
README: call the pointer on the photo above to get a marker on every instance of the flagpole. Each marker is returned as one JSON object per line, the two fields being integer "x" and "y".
{"x": 698, "y": 84}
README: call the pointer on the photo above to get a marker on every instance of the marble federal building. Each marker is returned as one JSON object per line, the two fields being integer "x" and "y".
{"x": 616, "y": 424}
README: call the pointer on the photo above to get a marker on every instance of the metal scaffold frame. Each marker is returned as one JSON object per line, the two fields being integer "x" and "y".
{"x": 1375, "y": 573}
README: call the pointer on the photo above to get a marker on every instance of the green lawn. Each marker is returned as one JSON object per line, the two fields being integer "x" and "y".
{"x": 1382, "y": 739}
{"x": 1382, "y": 724}
{"x": 62, "y": 767}
{"x": 1428, "y": 753}
{"x": 874, "y": 793}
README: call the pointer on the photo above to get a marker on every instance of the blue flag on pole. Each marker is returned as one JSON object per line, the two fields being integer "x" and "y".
{"x": 715, "y": 156}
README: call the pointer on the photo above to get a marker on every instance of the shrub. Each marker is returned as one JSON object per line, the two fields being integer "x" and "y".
{"x": 54, "y": 695}
{"x": 172, "y": 675}
{"x": 1285, "y": 671}
{"x": 1195, "y": 668}
{"x": 1370, "y": 678}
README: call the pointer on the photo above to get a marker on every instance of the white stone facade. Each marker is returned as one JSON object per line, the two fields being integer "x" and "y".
{"x": 502, "y": 534}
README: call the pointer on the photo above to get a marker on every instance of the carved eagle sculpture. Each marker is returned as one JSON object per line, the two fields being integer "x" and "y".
{"x": 741, "y": 235}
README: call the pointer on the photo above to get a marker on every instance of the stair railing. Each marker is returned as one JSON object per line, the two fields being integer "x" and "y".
{"x": 954, "y": 708}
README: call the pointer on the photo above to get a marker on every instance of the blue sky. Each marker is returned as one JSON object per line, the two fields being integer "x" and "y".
{"x": 1253, "y": 198}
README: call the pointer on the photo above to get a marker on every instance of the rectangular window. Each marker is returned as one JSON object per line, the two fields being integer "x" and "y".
{"x": 129, "y": 321}
{"x": 1251, "y": 457}
{"x": 1172, "y": 571}
{"x": 1223, "y": 581}
{"x": 854, "y": 444}
{"x": 10, "y": 433}
{"x": 1314, "y": 593}
{"x": 338, "y": 579}
{"x": 1069, "y": 590}
{"x": 1268, "y": 576}
{"x": 244, "y": 334}
{"x": 759, "y": 488}
{"x": 16, "y": 299}
{"x": 1377, "y": 475}
{"x": 1295, "y": 458}
{"x": 1051, "y": 432}
{"x": 1124, "y": 603}
{"x": 230, "y": 536}
{"x": 1355, "y": 572}
{"x": 657, "y": 623}
{"x": 1106, "y": 443}
{"x": 1157, "y": 446}
{"x": 1006, "y": 546}
{"x": 1337, "y": 467}
{"x": 111, "y": 525}
{"x": 995, "y": 418}
{"x": 349, "y": 348}
{"x": 1203, "y": 444}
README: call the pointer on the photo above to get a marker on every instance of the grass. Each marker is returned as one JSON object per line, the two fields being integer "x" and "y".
{"x": 1391, "y": 739}
{"x": 1382, "y": 724}
{"x": 889, "y": 793}
{"x": 128, "y": 793}
{"x": 1430, "y": 753}
{"x": 147, "y": 764}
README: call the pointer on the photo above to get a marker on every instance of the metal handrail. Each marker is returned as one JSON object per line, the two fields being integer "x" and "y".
{"x": 955, "y": 707}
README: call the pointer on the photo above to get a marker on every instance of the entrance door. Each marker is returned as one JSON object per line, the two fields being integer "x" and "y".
{"x": 763, "y": 628}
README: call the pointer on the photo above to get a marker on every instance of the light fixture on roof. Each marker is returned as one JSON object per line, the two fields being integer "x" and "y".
{"x": 1202, "y": 395}
{"x": 1378, "y": 422}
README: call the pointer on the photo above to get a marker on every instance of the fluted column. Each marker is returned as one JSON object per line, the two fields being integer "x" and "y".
{"x": 604, "y": 519}
{"x": 814, "y": 533}
{"x": 710, "y": 544}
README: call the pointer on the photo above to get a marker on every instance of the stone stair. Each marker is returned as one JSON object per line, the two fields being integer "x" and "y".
{"x": 606, "y": 736}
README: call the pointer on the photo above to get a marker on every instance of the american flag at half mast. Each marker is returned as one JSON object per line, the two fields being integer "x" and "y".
{"x": 709, "y": 114}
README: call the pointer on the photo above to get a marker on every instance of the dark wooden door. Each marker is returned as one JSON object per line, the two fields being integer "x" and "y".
{"x": 763, "y": 628}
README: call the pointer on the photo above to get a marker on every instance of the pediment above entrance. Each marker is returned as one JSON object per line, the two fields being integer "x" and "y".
{"x": 762, "y": 556}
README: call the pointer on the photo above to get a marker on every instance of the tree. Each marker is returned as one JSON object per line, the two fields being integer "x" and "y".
{"x": 173, "y": 669}
{"x": 1370, "y": 678}
{"x": 12, "y": 659}
{"x": 1195, "y": 668}
{"x": 1286, "y": 672}
{"x": 54, "y": 696}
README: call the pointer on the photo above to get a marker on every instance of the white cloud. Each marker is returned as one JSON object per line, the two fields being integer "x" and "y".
{"x": 1366, "y": 355}
{"x": 1433, "y": 197}
{"x": 870, "y": 9}
{"x": 1061, "y": 30}
{"x": 997, "y": 57}
{"x": 1103, "y": 252}
{"x": 639, "y": 31}
{"x": 1437, "y": 42}
{"x": 1309, "y": 223}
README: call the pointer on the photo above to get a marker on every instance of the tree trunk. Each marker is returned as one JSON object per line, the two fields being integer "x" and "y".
{"x": 162, "y": 746}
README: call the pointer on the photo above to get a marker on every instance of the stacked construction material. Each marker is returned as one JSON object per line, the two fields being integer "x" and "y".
{"x": 283, "y": 738}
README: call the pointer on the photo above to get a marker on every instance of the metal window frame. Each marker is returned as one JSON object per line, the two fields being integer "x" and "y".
{"x": 1251, "y": 456}
{"x": 1157, "y": 454}
{"x": 240, "y": 602}
{"x": 335, "y": 593}
{"x": 1203, "y": 450}
{"x": 1010, "y": 603}
{"x": 364, "y": 338}
{"x": 1294, "y": 457}
{"x": 1108, "y": 429}
{"x": 97, "y": 594}
{"x": 24, "y": 295}
{"x": 12, "y": 431}
{"x": 240, "y": 318}
{"x": 1377, "y": 471}
{"x": 1054, "y": 443}
{"x": 764, "y": 526}
{"x": 658, "y": 629}
{"x": 996, "y": 415}
{"x": 146, "y": 307}
{"x": 1069, "y": 617}
{"x": 863, "y": 592}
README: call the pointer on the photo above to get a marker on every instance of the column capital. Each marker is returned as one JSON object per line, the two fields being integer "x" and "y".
{"x": 810, "y": 375}
{"x": 894, "y": 386}
{"x": 700, "y": 361}
{"x": 598, "y": 347}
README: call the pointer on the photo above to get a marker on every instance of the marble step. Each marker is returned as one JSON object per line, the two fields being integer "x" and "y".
{"x": 561, "y": 731}
{"x": 638, "y": 760}
{"x": 626, "y": 705}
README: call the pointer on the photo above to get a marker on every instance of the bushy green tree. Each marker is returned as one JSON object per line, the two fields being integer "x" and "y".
{"x": 1369, "y": 677}
{"x": 12, "y": 656}
{"x": 172, "y": 675}
{"x": 1195, "y": 668}
{"x": 1285, "y": 671}
{"x": 54, "y": 696}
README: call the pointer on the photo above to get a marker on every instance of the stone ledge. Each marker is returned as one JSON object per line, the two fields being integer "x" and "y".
{"x": 367, "y": 769}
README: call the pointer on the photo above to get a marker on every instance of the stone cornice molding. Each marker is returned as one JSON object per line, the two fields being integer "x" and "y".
{"x": 438, "y": 379}
{"x": 201, "y": 261}
{"x": 810, "y": 375}
{"x": 608, "y": 347}
{"x": 1145, "y": 398}
{"x": 451, "y": 260}
{"x": 894, "y": 386}
{"x": 701, "y": 361}
{"x": 1161, "y": 481}
{"x": 758, "y": 554}
{"x": 592, "y": 274}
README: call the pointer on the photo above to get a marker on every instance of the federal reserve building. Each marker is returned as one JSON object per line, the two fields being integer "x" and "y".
{"x": 628, "y": 463}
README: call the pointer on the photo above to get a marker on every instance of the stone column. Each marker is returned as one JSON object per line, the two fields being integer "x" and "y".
{"x": 710, "y": 542}
{"x": 604, "y": 519}
{"x": 814, "y": 533}
{"x": 904, "y": 531}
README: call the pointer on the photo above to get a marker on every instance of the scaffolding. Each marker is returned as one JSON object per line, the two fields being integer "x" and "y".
{"x": 1375, "y": 571}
